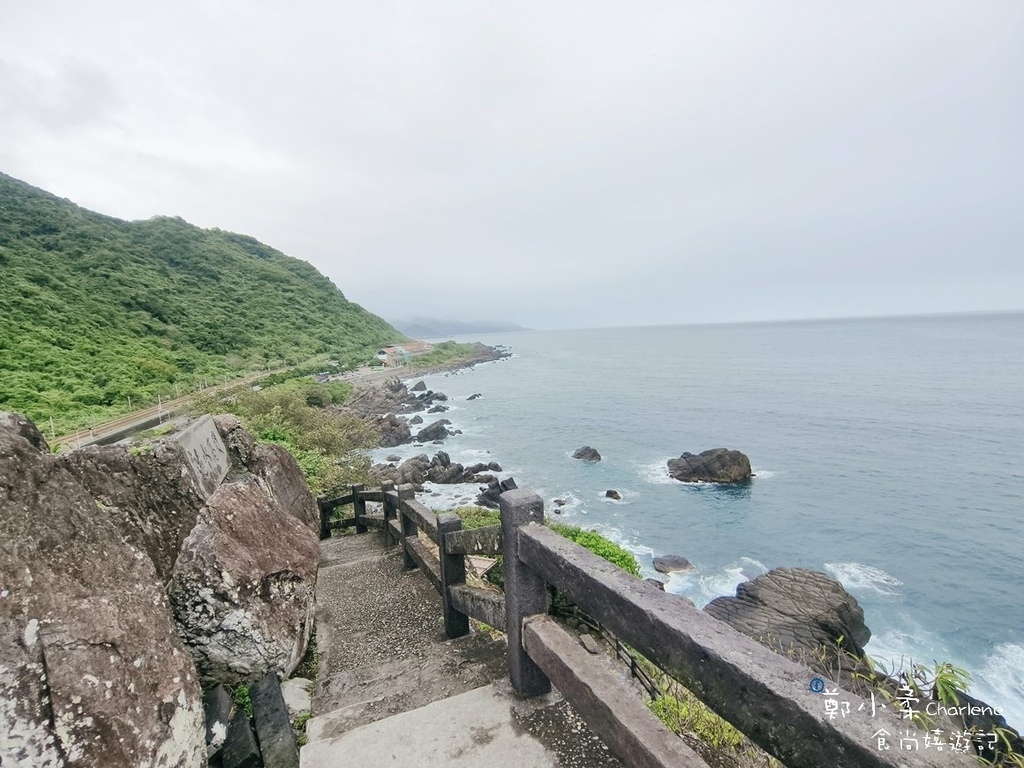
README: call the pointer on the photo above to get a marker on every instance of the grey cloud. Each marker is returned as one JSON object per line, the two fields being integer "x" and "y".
{"x": 556, "y": 164}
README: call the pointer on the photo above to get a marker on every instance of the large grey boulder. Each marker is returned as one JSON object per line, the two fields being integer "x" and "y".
{"x": 672, "y": 564}
{"x": 586, "y": 453}
{"x": 149, "y": 491}
{"x": 435, "y": 431}
{"x": 795, "y": 609}
{"x": 243, "y": 585}
{"x": 92, "y": 672}
{"x": 394, "y": 430}
{"x": 278, "y": 474}
{"x": 718, "y": 465}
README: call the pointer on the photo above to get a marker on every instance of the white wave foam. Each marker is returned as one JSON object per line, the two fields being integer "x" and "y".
{"x": 571, "y": 507}
{"x": 628, "y": 497}
{"x": 723, "y": 582}
{"x": 1000, "y": 682}
{"x": 656, "y": 473}
{"x": 856, "y": 576}
{"x": 752, "y": 568}
{"x": 763, "y": 474}
{"x": 444, "y": 496}
{"x": 475, "y": 453}
{"x": 895, "y": 649}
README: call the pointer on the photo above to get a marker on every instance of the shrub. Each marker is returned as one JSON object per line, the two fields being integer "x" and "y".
{"x": 600, "y": 546}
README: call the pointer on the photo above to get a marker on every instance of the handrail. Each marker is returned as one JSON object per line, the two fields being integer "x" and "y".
{"x": 763, "y": 694}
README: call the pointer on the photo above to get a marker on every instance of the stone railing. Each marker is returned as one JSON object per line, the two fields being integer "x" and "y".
{"x": 763, "y": 694}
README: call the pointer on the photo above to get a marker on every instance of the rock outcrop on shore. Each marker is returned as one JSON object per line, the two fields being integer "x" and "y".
{"x": 439, "y": 469}
{"x": 717, "y": 465}
{"x": 437, "y": 430}
{"x": 795, "y": 609}
{"x": 133, "y": 573}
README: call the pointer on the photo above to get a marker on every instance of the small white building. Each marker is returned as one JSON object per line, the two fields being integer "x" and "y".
{"x": 401, "y": 354}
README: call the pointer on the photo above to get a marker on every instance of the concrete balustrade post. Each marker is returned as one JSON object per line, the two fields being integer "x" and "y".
{"x": 325, "y": 517}
{"x": 525, "y": 592}
{"x": 358, "y": 507}
{"x": 390, "y": 511}
{"x": 408, "y": 526}
{"x": 453, "y": 572}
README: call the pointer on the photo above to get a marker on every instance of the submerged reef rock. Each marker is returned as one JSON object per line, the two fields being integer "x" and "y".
{"x": 795, "y": 609}
{"x": 586, "y": 453}
{"x": 717, "y": 465}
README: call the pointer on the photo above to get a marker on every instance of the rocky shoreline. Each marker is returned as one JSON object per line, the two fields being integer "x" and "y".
{"x": 797, "y": 612}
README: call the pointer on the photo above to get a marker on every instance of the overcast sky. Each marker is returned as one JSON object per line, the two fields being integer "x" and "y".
{"x": 556, "y": 164}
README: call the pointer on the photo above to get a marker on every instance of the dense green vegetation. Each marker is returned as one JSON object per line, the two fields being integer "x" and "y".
{"x": 327, "y": 443}
{"x": 478, "y": 517}
{"x": 95, "y": 310}
{"x": 600, "y": 546}
{"x": 446, "y": 352}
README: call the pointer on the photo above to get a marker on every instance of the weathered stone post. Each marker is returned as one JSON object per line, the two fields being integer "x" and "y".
{"x": 389, "y": 509}
{"x": 325, "y": 517}
{"x": 408, "y": 525}
{"x": 453, "y": 571}
{"x": 358, "y": 507}
{"x": 525, "y": 591}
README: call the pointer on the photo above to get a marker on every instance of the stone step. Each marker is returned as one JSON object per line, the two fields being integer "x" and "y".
{"x": 434, "y": 671}
{"x": 483, "y": 727}
{"x": 352, "y": 548}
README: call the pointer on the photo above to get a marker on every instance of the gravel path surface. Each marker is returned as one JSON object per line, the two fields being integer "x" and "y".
{"x": 383, "y": 651}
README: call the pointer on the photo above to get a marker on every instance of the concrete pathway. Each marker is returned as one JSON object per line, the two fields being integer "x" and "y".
{"x": 392, "y": 690}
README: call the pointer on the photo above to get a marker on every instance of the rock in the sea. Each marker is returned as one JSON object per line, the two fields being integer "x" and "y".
{"x": 586, "y": 453}
{"x": 488, "y": 497}
{"x": 419, "y": 386}
{"x": 657, "y": 584}
{"x": 795, "y": 608}
{"x": 672, "y": 564}
{"x": 475, "y": 396}
{"x": 559, "y": 502}
{"x": 717, "y": 465}
{"x": 436, "y": 431}
{"x": 394, "y": 430}
{"x": 417, "y": 419}
{"x": 437, "y": 409}
{"x": 613, "y": 494}
{"x": 86, "y": 635}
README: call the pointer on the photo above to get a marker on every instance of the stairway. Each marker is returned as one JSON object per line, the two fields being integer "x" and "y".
{"x": 393, "y": 690}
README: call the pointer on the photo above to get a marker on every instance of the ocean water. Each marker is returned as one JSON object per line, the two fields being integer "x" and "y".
{"x": 889, "y": 453}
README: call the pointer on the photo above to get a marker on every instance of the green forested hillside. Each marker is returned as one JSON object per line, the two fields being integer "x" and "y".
{"x": 95, "y": 310}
